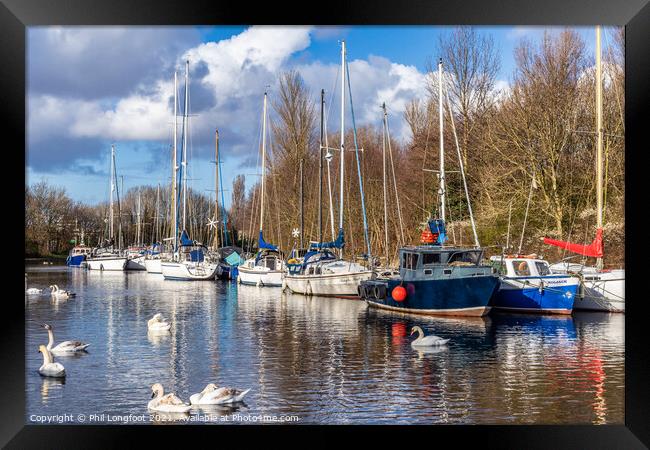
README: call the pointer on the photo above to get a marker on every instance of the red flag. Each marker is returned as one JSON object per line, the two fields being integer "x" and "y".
{"x": 595, "y": 249}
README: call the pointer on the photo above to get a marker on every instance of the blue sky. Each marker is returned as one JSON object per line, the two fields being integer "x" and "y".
{"x": 89, "y": 87}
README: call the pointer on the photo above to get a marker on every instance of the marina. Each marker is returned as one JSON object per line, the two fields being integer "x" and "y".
{"x": 320, "y": 359}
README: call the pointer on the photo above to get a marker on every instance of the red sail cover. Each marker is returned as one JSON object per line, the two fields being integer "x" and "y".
{"x": 595, "y": 249}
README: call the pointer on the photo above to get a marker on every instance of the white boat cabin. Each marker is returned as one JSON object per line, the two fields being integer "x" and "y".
{"x": 521, "y": 266}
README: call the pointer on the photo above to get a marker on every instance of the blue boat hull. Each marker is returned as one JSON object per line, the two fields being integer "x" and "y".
{"x": 550, "y": 300}
{"x": 75, "y": 261}
{"x": 466, "y": 296}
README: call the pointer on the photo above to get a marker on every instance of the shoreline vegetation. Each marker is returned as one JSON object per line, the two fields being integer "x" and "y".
{"x": 534, "y": 138}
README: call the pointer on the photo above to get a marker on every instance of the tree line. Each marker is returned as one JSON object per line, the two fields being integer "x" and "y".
{"x": 533, "y": 139}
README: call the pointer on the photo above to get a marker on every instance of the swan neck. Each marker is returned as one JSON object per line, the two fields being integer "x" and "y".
{"x": 47, "y": 357}
{"x": 50, "y": 341}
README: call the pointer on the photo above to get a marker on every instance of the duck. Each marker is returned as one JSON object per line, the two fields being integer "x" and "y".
{"x": 65, "y": 346}
{"x": 158, "y": 323}
{"x": 426, "y": 341}
{"x": 61, "y": 294}
{"x": 212, "y": 395}
{"x": 33, "y": 291}
{"x": 49, "y": 367}
{"x": 168, "y": 403}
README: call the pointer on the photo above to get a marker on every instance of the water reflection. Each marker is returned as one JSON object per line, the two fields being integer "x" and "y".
{"x": 325, "y": 360}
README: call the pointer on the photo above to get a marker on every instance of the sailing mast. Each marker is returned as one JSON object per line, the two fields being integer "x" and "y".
{"x": 342, "y": 163}
{"x": 111, "y": 214}
{"x": 320, "y": 168}
{"x": 156, "y": 234}
{"x": 383, "y": 155}
{"x": 599, "y": 145}
{"x": 216, "y": 189}
{"x": 175, "y": 166}
{"x": 302, "y": 218}
{"x": 442, "y": 151}
{"x": 263, "y": 165}
{"x": 184, "y": 163}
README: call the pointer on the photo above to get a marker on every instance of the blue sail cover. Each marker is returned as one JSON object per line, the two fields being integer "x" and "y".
{"x": 262, "y": 244}
{"x": 185, "y": 239}
{"x": 338, "y": 243}
{"x": 437, "y": 227}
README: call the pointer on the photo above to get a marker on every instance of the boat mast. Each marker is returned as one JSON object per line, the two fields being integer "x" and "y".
{"x": 442, "y": 151}
{"x": 599, "y": 145}
{"x": 263, "y": 164}
{"x": 175, "y": 165}
{"x": 157, "y": 229}
{"x": 137, "y": 225}
{"x": 342, "y": 163}
{"x": 302, "y": 218}
{"x": 111, "y": 214}
{"x": 184, "y": 163}
{"x": 383, "y": 155}
{"x": 320, "y": 168}
{"x": 216, "y": 188}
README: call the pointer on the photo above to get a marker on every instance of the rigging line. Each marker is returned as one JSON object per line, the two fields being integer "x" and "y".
{"x": 356, "y": 151}
{"x": 462, "y": 171}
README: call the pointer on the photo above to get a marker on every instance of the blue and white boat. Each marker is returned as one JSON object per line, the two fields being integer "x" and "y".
{"x": 77, "y": 256}
{"x": 527, "y": 285}
{"x": 435, "y": 280}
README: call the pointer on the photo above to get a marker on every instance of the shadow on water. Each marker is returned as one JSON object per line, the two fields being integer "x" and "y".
{"x": 324, "y": 360}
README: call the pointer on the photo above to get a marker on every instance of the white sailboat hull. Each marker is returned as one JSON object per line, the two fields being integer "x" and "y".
{"x": 261, "y": 276}
{"x": 188, "y": 270}
{"x": 153, "y": 265}
{"x": 599, "y": 290}
{"x": 108, "y": 263}
{"x": 334, "y": 285}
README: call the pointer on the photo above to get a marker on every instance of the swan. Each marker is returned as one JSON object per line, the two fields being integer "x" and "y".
{"x": 166, "y": 403}
{"x": 212, "y": 395}
{"x": 426, "y": 341}
{"x": 33, "y": 291}
{"x": 158, "y": 323}
{"x": 61, "y": 294}
{"x": 49, "y": 367}
{"x": 65, "y": 346}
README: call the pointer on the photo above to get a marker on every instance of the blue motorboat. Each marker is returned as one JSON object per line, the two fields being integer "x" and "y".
{"x": 527, "y": 285}
{"x": 435, "y": 280}
{"x": 77, "y": 256}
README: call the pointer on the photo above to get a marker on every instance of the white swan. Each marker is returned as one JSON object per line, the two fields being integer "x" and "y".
{"x": 61, "y": 294}
{"x": 33, "y": 291}
{"x": 65, "y": 346}
{"x": 166, "y": 403}
{"x": 158, "y": 323}
{"x": 426, "y": 341}
{"x": 49, "y": 367}
{"x": 212, "y": 395}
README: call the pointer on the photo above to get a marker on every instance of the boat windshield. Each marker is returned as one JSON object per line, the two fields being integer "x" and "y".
{"x": 472, "y": 257}
{"x": 542, "y": 268}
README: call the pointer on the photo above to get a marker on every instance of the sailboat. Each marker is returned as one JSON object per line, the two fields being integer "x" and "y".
{"x": 267, "y": 266}
{"x": 600, "y": 289}
{"x": 190, "y": 260}
{"x": 136, "y": 252}
{"x": 436, "y": 279}
{"x": 322, "y": 272}
{"x": 106, "y": 256}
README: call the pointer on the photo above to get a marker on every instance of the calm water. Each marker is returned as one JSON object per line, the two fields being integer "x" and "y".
{"x": 321, "y": 360}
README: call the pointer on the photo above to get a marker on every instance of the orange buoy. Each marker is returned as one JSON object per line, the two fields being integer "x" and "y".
{"x": 399, "y": 294}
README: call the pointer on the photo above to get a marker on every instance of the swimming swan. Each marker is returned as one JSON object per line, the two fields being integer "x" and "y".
{"x": 33, "y": 291}
{"x": 166, "y": 403}
{"x": 212, "y": 395}
{"x": 65, "y": 346}
{"x": 158, "y": 323}
{"x": 49, "y": 367}
{"x": 61, "y": 294}
{"x": 426, "y": 341}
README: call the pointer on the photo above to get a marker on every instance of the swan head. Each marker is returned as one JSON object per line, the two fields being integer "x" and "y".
{"x": 416, "y": 329}
{"x": 155, "y": 389}
{"x": 42, "y": 349}
{"x": 52, "y": 288}
{"x": 209, "y": 388}
{"x": 157, "y": 316}
{"x": 47, "y": 326}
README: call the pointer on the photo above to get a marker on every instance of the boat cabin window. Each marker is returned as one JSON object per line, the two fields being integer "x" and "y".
{"x": 270, "y": 263}
{"x": 430, "y": 258}
{"x": 542, "y": 268}
{"x": 465, "y": 258}
{"x": 410, "y": 261}
{"x": 521, "y": 268}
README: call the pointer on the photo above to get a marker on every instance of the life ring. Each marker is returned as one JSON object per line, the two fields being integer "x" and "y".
{"x": 522, "y": 266}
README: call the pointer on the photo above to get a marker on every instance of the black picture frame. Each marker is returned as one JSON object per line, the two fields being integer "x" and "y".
{"x": 16, "y": 15}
